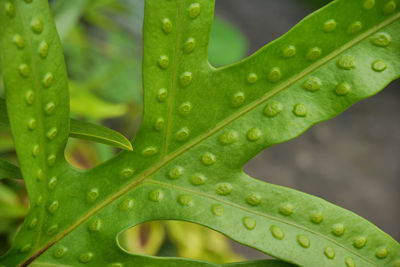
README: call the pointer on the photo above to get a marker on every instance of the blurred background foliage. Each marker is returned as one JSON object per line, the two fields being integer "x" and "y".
{"x": 102, "y": 41}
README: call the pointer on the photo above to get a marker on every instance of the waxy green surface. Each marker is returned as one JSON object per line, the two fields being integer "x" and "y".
{"x": 200, "y": 126}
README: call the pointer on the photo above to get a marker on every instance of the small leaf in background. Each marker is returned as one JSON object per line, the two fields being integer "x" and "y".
{"x": 8, "y": 170}
{"x": 98, "y": 133}
{"x": 94, "y": 107}
{"x": 225, "y": 35}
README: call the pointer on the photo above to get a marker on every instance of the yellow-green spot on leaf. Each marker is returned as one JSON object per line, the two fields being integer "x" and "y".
{"x": 381, "y": 39}
{"x": 185, "y": 108}
{"x": 92, "y": 195}
{"x": 59, "y": 252}
{"x": 52, "y": 229}
{"x": 330, "y": 25}
{"x": 95, "y": 225}
{"x": 272, "y": 109}
{"x": 51, "y": 160}
{"x": 253, "y": 134}
{"x": 86, "y": 257}
{"x": 252, "y": 78}
{"x": 53, "y": 207}
{"x": 175, "y": 172}
{"x": 49, "y": 108}
{"x": 390, "y": 7}
{"x": 156, "y": 195}
{"x": 249, "y": 223}
{"x": 43, "y": 49}
{"x": 18, "y": 41}
{"x": 32, "y": 124}
{"x": 317, "y": 217}
{"x": 228, "y": 137}
{"x": 47, "y": 80}
{"x": 253, "y": 199}
{"x": 182, "y": 134}
{"x": 342, "y": 89}
{"x": 162, "y": 95}
{"x": 349, "y": 262}
{"x": 194, "y": 10}
{"x": 29, "y": 97}
{"x": 300, "y": 110}
{"x": 312, "y": 84}
{"x": 359, "y": 242}
{"x": 33, "y": 223}
{"x": 186, "y": 78}
{"x": 275, "y": 75}
{"x": 314, "y": 53}
{"x": 286, "y": 209}
{"x": 197, "y": 179}
{"x": 217, "y": 209}
{"x": 368, "y": 4}
{"x": 329, "y": 252}
{"x": 163, "y": 62}
{"x": 289, "y": 51}
{"x": 185, "y": 200}
{"x": 223, "y": 189}
{"x": 35, "y": 150}
{"x": 189, "y": 45}
{"x": 346, "y": 62}
{"x": 24, "y": 70}
{"x": 37, "y": 25}
{"x": 149, "y": 151}
{"x": 277, "y": 232}
{"x": 379, "y": 65}
{"x": 126, "y": 204}
{"x": 303, "y": 241}
{"x": 208, "y": 158}
{"x": 52, "y": 133}
{"x": 338, "y": 229}
{"x": 166, "y": 25}
{"x": 238, "y": 99}
{"x": 381, "y": 253}
{"x": 25, "y": 248}
{"x": 355, "y": 27}
{"x": 52, "y": 183}
{"x": 10, "y": 9}
{"x": 159, "y": 124}
{"x": 126, "y": 173}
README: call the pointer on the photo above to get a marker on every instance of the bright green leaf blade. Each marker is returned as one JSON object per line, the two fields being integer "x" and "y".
{"x": 99, "y": 134}
{"x": 202, "y": 124}
{"x": 82, "y": 130}
{"x": 8, "y": 170}
{"x": 38, "y": 106}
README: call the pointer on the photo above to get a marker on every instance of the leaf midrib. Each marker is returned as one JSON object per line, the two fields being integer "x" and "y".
{"x": 173, "y": 80}
{"x": 146, "y": 173}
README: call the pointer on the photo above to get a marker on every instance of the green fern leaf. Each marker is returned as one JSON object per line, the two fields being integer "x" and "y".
{"x": 200, "y": 126}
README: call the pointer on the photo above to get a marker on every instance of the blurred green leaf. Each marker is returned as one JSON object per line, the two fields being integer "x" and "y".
{"x": 88, "y": 105}
{"x": 223, "y": 35}
{"x": 10, "y": 206}
{"x": 67, "y": 14}
{"x": 8, "y": 170}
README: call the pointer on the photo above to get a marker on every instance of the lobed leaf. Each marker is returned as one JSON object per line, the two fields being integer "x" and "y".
{"x": 202, "y": 124}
